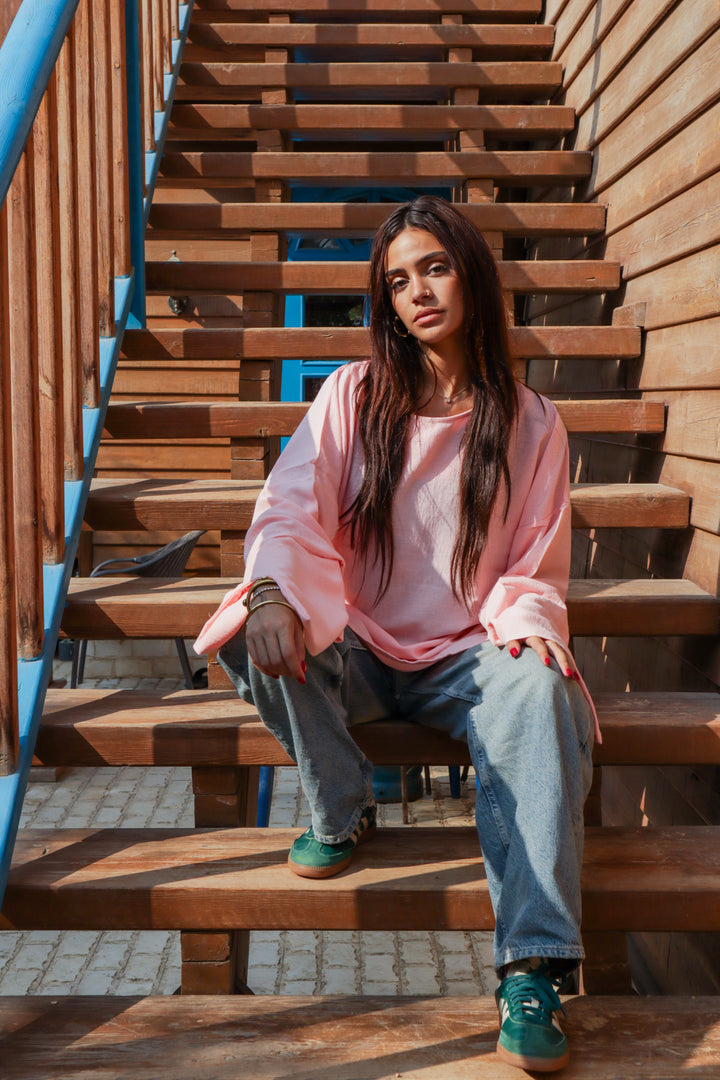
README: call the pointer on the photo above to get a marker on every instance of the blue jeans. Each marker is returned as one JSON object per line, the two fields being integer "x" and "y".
{"x": 529, "y": 731}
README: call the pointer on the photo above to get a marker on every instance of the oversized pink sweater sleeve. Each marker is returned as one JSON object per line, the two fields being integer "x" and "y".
{"x": 528, "y": 596}
{"x": 295, "y": 521}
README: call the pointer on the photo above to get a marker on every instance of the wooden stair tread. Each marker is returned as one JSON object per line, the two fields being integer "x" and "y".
{"x": 418, "y": 1038}
{"x": 496, "y": 36}
{"x": 492, "y": 10}
{"x": 229, "y": 504}
{"x": 362, "y": 219}
{"x": 344, "y": 343}
{"x": 520, "y": 275}
{"x": 253, "y": 419}
{"x": 227, "y": 168}
{"x": 512, "y": 79}
{"x": 531, "y": 120}
{"x": 111, "y": 608}
{"x": 215, "y": 728}
{"x": 406, "y": 878}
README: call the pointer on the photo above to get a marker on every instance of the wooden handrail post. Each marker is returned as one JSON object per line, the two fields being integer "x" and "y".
{"x": 49, "y": 332}
{"x": 25, "y": 409}
{"x": 8, "y": 632}
{"x": 72, "y": 389}
{"x": 87, "y": 276}
{"x": 136, "y": 163}
{"x": 104, "y": 168}
{"x": 121, "y": 193}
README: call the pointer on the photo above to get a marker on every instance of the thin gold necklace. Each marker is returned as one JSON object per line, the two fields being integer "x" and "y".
{"x": 449, "y": 399}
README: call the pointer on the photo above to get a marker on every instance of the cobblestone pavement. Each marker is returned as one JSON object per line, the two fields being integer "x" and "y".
{"x": 281, "y": 962}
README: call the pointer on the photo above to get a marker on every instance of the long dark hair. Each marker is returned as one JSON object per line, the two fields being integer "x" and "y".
{"x": 391, "y": 390}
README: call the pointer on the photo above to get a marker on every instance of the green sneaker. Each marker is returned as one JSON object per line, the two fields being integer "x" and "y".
{"x": 311, "y": 858}
{"x": 530, "y": 1035}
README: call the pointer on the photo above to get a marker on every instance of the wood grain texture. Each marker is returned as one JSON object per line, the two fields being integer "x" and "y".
{"x": 490, "y": 10}
{"x": 219, "y": 36}
{"x": 342, "y": 277}
{"x": 414, "y": 879}
{"x": 510, "y": 167}
{"x": 200, "y": 343}
{"x": 111, "y": 608}
{"x": 230, "y": 504}
{"x": 362, "y": 219}
{"x": 211, "y": 419}
{"x": 260, "y": 1038}
{"x": 8, "y": 615}
{"x": 206, "y": 728}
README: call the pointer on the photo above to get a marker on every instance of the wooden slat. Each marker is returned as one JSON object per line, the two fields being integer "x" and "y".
{"x": 319, "y": 119}
{"x": 72, "y": 388}
{"x": 211, "y": 278}
{"x": 223, "y": 1038}
{"x": 218, "y": 35}
{"x": 87, "y": 269}
{"x": 228, "y": 504}
{"x": 187, "y": 218}
{"x": 49, "y": 332}
{"x": 8, "y": 618}
{"x": 491, "y": 10}
{"x": 24, "y": 392}
{"x": 509, "y": 167}
{"x": 215, "y": 728}
{"x": 120, "y": 196}
{"x": 526, "y": 342}
{"x": 243, "y": 419}
{"x": 413, "y": 879}
{"x": 111, "y": 608}
{"x": 104, "y": 170}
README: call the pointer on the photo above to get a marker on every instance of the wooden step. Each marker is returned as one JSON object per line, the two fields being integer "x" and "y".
{"x": 403, "y": 121}
{"x": 488, "y": 10}
{"x": 229, "y": 504}
{"x": 215, "y": 728}
{"x": 111, "y": 608}
{"x": 341, "y": 343}
{"x": 510, "y": 41}
{"x": 209, "y": 278}
{"x": 229, "y": 169}
{"x": 431, "y": 878}
{"x": 252, "y": 419}
{"x": 188, "y": 219}
{"x": 352, "y": 1038}
{"x": 521, "y": 80}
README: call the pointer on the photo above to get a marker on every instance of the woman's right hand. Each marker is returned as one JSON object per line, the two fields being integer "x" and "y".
{"x": 275, "y": 642}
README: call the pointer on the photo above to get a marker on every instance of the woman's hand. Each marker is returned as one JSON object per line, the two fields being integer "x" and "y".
{"x": 274, "y": 637}
{"x": 546, "y": 649}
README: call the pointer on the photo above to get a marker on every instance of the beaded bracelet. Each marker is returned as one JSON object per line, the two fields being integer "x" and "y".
{"x": 259, "y": 592}
{"x": 256, "y": 585}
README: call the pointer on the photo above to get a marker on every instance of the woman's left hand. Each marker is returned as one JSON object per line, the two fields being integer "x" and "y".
{"x": 546, "y": 649}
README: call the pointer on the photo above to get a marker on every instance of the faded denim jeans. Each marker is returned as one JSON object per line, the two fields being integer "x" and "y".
{"x": 529, "y": 730}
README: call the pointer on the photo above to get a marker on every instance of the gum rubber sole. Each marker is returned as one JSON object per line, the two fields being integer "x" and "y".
{"x": 319, "y": 872}
{"x": 532, "y": 1064}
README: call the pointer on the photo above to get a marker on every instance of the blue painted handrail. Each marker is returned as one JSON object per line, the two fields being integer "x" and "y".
{"x": 27, "y": 59}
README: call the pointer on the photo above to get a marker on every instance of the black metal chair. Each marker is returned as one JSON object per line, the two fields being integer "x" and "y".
{"x": 167, "y": 561}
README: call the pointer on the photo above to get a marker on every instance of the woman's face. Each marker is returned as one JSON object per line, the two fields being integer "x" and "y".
{"x": 426, "y": 291}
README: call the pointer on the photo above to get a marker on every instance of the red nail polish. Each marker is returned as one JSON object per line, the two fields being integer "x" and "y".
{"x": 301, "y": 681}
{"x": 303, "y": 665}
{"x": 547, "y": 661}
{"x": 514, "y": 652}
{"x": 568, "y": 672}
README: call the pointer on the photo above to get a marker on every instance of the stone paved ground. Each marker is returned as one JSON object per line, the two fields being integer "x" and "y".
{"x": 281, "y": 962}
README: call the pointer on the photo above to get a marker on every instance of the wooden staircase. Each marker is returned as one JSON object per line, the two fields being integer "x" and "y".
{"x": 410, "y": 93}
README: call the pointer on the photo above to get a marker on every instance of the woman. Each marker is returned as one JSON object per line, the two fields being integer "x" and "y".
{"x": 409, "y": 555}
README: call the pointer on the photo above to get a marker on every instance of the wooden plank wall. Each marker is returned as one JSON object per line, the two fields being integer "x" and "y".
{"x": 644, "y": 79}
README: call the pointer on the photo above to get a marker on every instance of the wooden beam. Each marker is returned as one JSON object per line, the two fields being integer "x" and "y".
{"x": 112, "y": 608}
{"x": 412, "y": 879}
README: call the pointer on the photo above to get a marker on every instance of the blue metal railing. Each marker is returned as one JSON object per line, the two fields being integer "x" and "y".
{"x": 27, "y": 60}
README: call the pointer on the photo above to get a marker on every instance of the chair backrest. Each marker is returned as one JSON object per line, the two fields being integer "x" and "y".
{"x": 167, "y": 561}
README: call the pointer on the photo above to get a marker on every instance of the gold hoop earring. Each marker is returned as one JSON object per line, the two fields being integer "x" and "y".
{"x": 398, "y": 322}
